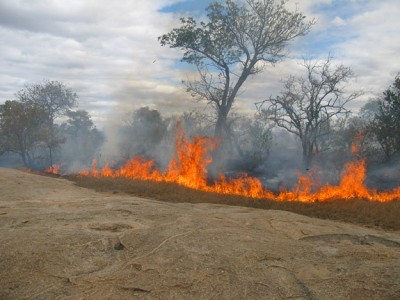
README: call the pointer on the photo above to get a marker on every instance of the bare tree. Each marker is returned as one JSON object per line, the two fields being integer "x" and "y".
{"x": 307, "y": 105}
{"x": 238, "y": 41}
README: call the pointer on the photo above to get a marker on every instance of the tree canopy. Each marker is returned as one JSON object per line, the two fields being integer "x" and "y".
{"x": 21, "y": 129}
{"x": 387, "y": 120}
{"x": 237, "y": 41}
{"x": 53, "y": 96}
{"x": 55, "y": 99}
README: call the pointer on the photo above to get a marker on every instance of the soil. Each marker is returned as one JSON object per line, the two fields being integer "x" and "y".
{"x": 60, "y": 241}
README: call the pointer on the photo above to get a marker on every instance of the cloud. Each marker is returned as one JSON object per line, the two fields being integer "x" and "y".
{"x": 109, "y": 53}
{"x": 372, "y": 46}
{"x": 338, "y": 21}
{"x": 361, "y": 34}
{"x": 96, "y": 48}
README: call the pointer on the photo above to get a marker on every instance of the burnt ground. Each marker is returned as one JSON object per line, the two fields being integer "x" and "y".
{"x": 61, "y": 241}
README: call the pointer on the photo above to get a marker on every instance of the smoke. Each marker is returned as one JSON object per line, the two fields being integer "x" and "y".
{"x": 143, "y": 132}
{"x": 384, "y": 176}
{"x": 10, "y": 160}
{"x": 283, "y": 163}
{"x": 147, "y": 133}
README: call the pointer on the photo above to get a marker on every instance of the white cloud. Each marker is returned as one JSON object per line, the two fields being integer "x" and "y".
{"x": 360, "y": 34}
{"x": 338, "y": 21}
{"x": 109, "y": 53}
{"x": 97, "y": 48}
{"x": 374, "y": 47}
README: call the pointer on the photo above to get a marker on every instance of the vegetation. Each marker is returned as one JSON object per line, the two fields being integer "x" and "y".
{"x": 387, "y": 120}
{"x": 82, "y": 139}
{"x": 55, "y": 99}
{"x": 319, "y": 117}
{"x": 28, "y": 127}
{"x": 238, "y": 41}
{"x": 142, "y": 133}
{"x": 307, "y": 105}
{"x": 21, "y": 129}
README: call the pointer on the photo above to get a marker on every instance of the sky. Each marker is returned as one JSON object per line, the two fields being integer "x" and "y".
{"x": 110, "y": 56}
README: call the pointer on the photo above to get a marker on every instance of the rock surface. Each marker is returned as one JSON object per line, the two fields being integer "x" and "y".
{"x": 59, "y": 241}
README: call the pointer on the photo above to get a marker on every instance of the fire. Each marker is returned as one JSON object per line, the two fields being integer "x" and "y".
{"x": 54, "y": 169}
{"x": 189, "y": 168}
{"x": 351, "y": 186}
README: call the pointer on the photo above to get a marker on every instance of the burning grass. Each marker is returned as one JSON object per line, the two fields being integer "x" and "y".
{"x": 358, "y": 211}
{"x": 186, "y": 180}
{"x": 188, "y": 168}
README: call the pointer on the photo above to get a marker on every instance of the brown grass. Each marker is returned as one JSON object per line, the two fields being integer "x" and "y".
{"x": 358, "y": 211}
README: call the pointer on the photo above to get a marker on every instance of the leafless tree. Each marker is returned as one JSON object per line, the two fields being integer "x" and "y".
{"x": 307, "y": 105}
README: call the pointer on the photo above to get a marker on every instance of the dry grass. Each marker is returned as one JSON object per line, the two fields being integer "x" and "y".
{"x": 358, "y": 211}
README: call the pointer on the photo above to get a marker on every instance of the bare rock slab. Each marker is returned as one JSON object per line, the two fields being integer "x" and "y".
{"x": 59, "y": 241}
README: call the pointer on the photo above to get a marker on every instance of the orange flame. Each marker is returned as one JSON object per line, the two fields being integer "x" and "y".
{"x": 54, "y": 169}
{"x": 189, "y": 168}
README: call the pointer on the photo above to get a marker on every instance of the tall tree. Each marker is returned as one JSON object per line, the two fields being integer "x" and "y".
{"x": 387, "y": 121}
{"x": 307, "y": 105}
{"x": 55, "y": 98}
{"x": 237, "y": 41}
{"x": 21, "y": 129}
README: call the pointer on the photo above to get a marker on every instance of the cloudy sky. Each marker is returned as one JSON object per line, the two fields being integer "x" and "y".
{"x": 109, "y": 53}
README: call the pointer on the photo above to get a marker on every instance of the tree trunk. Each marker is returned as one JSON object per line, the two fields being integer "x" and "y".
{"x": 307, "y": 159}
{"x": 307, "y": 154}
{"x": 216, "y": 167}
{"x": 222, "y": 131}
{"x": 220, "y": 125}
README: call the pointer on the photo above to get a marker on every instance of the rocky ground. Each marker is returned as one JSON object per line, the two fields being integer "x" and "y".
{"x": 60, "y": 241}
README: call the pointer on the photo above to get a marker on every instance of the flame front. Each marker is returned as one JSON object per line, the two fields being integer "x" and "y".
{"x": 54, "y": 169}
{"x": 351, "y": 186}
{"x": 189, "y": 168}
